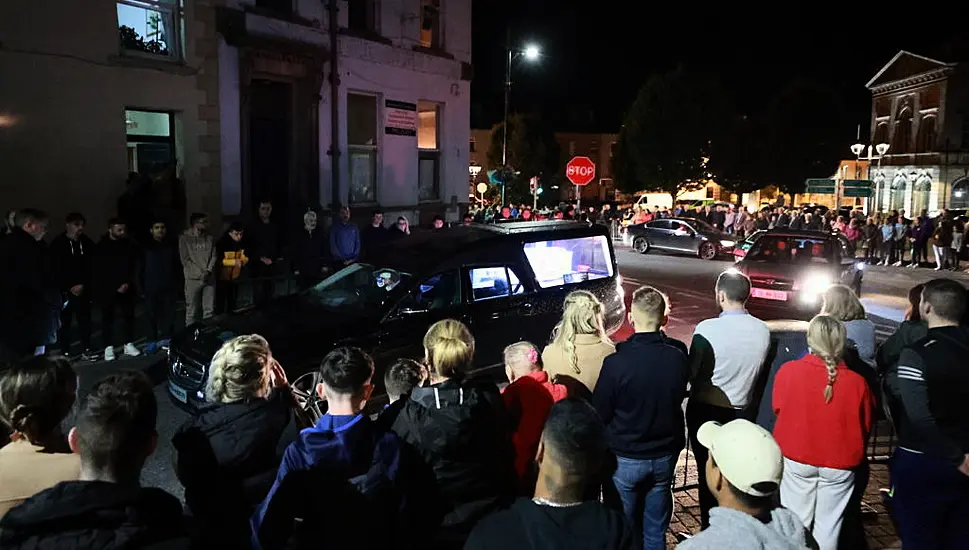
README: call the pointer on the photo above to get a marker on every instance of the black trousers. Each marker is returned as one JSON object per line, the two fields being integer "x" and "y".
{"x": 125, "y": 304}
{"x": 696, "y": 414}
{"x": 226, "y": 293}
{"x": 77, "y": 307}
{"x": 262, "y": 290}
{"x": 160, "y": 307}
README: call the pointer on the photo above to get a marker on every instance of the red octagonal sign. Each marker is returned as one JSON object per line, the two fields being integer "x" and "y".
{"x": 580, "y": 170}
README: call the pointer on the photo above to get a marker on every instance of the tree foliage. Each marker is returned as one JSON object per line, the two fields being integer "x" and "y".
{"x": 666, "y": 138}
{"x": 532, "y": 151}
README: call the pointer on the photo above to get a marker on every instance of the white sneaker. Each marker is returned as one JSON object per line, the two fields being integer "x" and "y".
{"x": 131, "y": 351}
{"x": 109, "y": 353}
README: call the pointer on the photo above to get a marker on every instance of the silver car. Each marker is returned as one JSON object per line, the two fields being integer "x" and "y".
{"x": 679, "y": 235}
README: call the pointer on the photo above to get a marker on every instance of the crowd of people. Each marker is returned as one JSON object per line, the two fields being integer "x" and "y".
{"x": 577, "y": 450}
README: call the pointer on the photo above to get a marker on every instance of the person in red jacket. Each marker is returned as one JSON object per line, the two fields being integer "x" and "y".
{"x": 529, "y": 398}
{"x": 824, "y": 414}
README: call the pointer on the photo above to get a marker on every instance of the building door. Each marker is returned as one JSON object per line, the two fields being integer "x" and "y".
{"x": 271, "y": 147}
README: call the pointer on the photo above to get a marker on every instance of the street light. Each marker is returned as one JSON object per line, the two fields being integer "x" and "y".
{"x": 531, "y": 52}
{"x": 881, "y": 149}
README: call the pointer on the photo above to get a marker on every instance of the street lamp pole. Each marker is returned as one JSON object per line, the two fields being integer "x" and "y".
{"x": 530, "y": 53}
{"x": 881, "y": 149}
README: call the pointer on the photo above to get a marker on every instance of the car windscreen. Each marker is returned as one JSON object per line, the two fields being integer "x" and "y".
{"x": 357, "y": 287}
{"x": 701, "y": 225}
{"x": 786, "y": 249}
{"x": 564, "y": 261}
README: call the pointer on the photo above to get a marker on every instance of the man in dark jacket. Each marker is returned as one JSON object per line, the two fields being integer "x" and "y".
{"x": 345, "y": 457}
{"x": 29, "y": 300}
{"x": 570, "y": 456}
{"x": 263, "y": 243}
{"x": 640, "y": 396}
{"x": 106, "y": 508}
{"x": 927, "y": 393}
{"x": 115, "y": 271}
{"x": 71, "y": 254}
{"x": 159, "y": 279}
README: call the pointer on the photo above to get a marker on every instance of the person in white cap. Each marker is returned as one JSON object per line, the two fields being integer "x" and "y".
{"x": 743, "y": 471}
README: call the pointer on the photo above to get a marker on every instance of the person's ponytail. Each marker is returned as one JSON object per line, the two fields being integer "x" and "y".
{"x": 450, "y": 348}
{"x": 826, "y": 337}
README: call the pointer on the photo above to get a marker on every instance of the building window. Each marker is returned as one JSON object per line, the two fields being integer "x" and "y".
{"x": 472, "y": 145}
{"x": 571, "y": 148}
{"x": 612, "y": 149}
{"x": 901, "y": 143}
{"x": 151, "y": 141}
{"x": 898, "y": 190}
{"x": 279, "y": 6}
{"x": 429, "y": 151}
{"x": 927, "y": 135}
{"x": 960, "y": 194}
{"x": 150, "y": 27}
{"x": 362, "y": 147}
{"x": 881, "y": 133}
{"x": 362, "y": 15}
{"x": 709, "y": 192}
{"x": 431, "y": 24}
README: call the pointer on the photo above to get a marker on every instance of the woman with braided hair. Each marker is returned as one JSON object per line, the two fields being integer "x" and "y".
{"x": 579, "y": 341}
{"x": 227, "y": 455}
{"x": 824, "y": 415}
{"x": 35, "y": 397}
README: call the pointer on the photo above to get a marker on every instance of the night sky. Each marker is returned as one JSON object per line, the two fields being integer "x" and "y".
{"x": 597, "y": 54}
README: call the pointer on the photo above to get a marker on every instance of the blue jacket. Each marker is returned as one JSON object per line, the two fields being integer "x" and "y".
{"x": 340, "y": 476}
{"x": 344, "y": 241}
{"x": 639, "y": 396}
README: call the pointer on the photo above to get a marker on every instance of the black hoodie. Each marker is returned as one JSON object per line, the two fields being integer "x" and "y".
{"x": 72, "y": 260}
{"x": 95, "y": 515}
{"x": 116, "y": 265}
{"x": 529, "y": 526}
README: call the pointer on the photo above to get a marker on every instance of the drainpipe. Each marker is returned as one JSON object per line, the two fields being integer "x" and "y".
{"x": 335, "y": 198}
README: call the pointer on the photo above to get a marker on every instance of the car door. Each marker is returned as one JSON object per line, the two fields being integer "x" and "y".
{"x": 401, "y": 334}
{"x": 682, "y": 237}
{"x": 500, "y": 309}
{"x": 658, "y": 234}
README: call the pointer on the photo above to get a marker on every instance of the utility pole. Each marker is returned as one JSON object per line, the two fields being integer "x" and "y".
{"x": 504, "y": 127}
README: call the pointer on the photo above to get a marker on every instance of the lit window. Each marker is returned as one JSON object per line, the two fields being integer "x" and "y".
{"x": 362, "y": 146}
{"x": 429, "y": 153}
{"x": 362, "y": 15}
{"x": 150, "y": 27}
{"x": 151, "y": 140}
{"x": 431, "y": 24}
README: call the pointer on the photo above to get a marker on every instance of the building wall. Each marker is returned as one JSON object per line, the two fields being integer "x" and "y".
{"x": 597, "y": 147}
{"x": 390, "y": 65}
{"x": 63, "y": 93}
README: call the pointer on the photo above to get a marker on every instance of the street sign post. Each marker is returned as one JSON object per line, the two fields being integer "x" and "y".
{"x": 857, "y": 192}
{"x": 867, "y": 184}
{"x": 580, "y": 171}
{"x": 821, "y": 186}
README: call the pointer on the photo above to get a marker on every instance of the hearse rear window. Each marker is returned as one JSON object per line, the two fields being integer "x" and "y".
{"x": 565, "y": 261}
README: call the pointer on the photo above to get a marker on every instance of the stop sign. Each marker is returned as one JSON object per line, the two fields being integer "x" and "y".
{"x": 580, "y": 170}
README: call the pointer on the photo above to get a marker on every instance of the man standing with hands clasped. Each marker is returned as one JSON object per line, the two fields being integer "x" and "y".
{"x": 115, "y": 272}
{"x": 197, "y": 252}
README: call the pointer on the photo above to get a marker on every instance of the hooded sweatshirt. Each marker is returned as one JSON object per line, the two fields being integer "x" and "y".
{"x": 734, "y": 530}
{"x": 71, "y": 259}
{"x": 94, "y": 515}
{"x": 529, "y": 526}
{"x": 197, "y": 253}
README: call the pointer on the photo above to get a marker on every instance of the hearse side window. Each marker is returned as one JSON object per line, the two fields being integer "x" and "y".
{"x": 494, "y": 282}
{"x": 435, "y": 292}
{"x": 565, "y": 261}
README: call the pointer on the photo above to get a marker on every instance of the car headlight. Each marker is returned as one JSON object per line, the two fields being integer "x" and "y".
{"x": 860, "y": 266}
{"x": 727, "y": 244}
{"x": 815, "y": 284}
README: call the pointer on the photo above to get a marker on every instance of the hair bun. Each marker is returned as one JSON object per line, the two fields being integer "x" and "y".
{"x": 20, "y": 417}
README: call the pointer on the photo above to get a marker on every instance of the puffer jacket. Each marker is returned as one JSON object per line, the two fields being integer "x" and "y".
{"x": 460, "y": 432}
{"x": 226, "y": 458}
{"x": 95, "y": 515}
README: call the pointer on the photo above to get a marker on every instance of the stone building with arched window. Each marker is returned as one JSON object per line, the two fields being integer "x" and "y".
{"x": 920, "y": 107}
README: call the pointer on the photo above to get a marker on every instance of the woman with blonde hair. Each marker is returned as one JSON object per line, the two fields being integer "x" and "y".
{"x": 824, "y": 414}
{"x": 843, "y": 304}
{"x": 459, "y": 428}
{"x": 228, "y": 454}
{"x": 579, "y": 341}
{"x": 35, "y": 397}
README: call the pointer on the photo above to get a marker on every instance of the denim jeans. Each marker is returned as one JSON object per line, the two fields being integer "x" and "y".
{"x": 930, "y": 501}
{"x": 645, "y": 488}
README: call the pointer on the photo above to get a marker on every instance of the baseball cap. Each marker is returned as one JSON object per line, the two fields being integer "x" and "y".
{"x": 746, "y": 454}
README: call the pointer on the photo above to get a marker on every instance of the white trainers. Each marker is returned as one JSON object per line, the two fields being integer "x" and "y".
{"x": 131, "y": 351}
{"x": 109, "y": 353}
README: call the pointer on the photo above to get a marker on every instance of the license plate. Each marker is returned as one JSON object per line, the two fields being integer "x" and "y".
{"x": 177, "y": 392}
{"x": 778, "y": 295}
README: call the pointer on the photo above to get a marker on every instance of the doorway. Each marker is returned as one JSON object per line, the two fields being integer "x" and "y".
{"x": 270, "y": 149}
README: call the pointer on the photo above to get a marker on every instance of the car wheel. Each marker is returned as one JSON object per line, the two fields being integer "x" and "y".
{"x": 707, "y": 251}
{"x": 641, "y": 245}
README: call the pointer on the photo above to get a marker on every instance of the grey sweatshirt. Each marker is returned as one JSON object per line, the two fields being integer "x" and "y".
{"x": 198, "y": 255}
{"x": 734, "y": 530}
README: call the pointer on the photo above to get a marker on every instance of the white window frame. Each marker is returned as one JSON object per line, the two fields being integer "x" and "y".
{"x": 173, "y": 15}
{"x": 373, "y": 150}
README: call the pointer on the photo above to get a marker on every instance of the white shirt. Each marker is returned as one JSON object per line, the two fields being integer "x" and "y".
{"x": 725, "y": 371}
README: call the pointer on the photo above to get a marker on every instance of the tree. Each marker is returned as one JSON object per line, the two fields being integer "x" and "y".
{"x": 737, "y": 155}
{"x": 665, "y": 142}
{"x": 532, "y": 151}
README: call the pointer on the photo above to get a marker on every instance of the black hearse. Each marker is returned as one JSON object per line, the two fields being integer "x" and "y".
{"x": 507, "y": 282}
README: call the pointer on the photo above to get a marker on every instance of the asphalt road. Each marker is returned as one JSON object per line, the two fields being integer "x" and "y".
{"x": 688, "y": 282}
